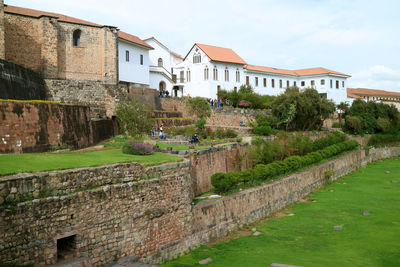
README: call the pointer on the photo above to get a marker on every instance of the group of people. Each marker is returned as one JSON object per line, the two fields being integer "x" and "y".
{"x": 164, "y": 93}
{"x": 215, "y": 102}
{"x": 160, "y": 132}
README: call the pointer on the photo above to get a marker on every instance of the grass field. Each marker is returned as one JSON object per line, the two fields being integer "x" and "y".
{"x": 16, "y": 163}
{"x": 308, "y": 238}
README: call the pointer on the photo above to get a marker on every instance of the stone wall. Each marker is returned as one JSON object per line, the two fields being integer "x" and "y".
{"x": 44, "y": 44}
{"x": 217, "y": 159}
{"x": 17, "y": 82}
{"x": 34, "y": 127}
{"x": 2, "y": 48}
{"x": 108, "y": 222}
{"x": 151, "y": 217}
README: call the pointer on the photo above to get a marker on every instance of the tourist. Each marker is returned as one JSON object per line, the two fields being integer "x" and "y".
{"x": 194, "y": 139}
{"x": 153, "y": 131}
{"x": 166, "y": 93}
{"x": 161, "y": 134}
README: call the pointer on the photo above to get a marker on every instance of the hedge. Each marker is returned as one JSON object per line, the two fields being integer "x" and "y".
{"x": 381, "y": 139}
{"x": 224, "y": 182}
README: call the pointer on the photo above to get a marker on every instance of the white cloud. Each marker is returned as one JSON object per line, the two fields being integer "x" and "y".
{"x": 377, "y": 77}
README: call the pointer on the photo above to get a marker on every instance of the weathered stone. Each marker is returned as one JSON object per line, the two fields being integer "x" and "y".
{"x": 395, "y": 181}
{"x": 366, "y": 213}
{"x": 283, "y": 265}
{"x": 256, "y": 233}
{"x": 205, "y": 261}
{"x": 338, "y": 228}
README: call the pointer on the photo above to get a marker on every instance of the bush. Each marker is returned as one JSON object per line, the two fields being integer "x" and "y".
{"x": 200, "y": 124}
{"x": 353, "y": 124}
{"x": 337, "y": 125}
{"x": 137, "y": 148}
{"x": 263, "y": 130}
{"x": 383, "y": 125}
{"x": 229, "y": 133}
{"x": 224, "y": 182}
{"x": 134, "y": 118}
{"x": 383, "y": 139}
{"x": 198, "y": 106}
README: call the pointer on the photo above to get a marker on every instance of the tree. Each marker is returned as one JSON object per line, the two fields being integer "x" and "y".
{"x": 134, "y": 118}
{"x": 342, "y": 107}
{"x": 199, "y": 107}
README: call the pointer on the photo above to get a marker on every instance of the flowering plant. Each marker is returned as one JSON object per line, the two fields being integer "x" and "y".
{"x": 137, "y": 148}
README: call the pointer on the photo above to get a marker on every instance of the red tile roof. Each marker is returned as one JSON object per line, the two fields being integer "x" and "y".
{"x": 361, "y": 92}
{"x": 38, "y": 13}
{"x": 221, "y": 54}
{"x": 300, "y": 72}
{"x": 134, "y": 39}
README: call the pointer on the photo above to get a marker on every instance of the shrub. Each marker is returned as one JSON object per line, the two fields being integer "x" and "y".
{"x": 353, "y": 124}
{"x": 381, "y": 139}
{"x": 134, "y": 118}
{"x": 337, "y": 125}
{"x": 137, "y": 148}
{"x": 383, "y": 125}
{"x": 263, "y": 130}
{"x": 200, "y": 124}
{"x": 229, "y": 133}
{"x": 198, "y": 106}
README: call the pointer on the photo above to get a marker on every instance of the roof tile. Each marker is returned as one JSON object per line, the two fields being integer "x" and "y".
{"x": 360, "y": 92}
{"x": 221, "y": 54}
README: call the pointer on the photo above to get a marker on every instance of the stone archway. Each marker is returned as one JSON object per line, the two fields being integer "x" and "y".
{"x": 162, "y": 86}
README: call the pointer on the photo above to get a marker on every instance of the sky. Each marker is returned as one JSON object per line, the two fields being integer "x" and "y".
{"x": 357, "y": 37}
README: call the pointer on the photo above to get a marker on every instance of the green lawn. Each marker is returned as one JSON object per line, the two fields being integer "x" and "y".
{"x": 308, "y": 238}
{"x": 16, "y": 163}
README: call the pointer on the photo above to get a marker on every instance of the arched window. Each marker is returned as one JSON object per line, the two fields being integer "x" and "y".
{"x": 226, "y": 74}
{"x": 76, "y": 36}
{"x": 196, "y": 58}
{"x": 206, "y": 73}
{"x": 160, "y": 62}
{"x": 215, "y": 73}
{"x": 188, "y": 78}
{"x": 237, "y": 76}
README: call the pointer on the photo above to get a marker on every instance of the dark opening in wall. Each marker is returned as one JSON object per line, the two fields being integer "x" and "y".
{"x": 66, "y": 247}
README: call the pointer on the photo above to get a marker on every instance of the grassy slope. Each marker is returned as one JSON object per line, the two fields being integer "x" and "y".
{"x": 308, "y": 238}
{"x": 10, "y": 164}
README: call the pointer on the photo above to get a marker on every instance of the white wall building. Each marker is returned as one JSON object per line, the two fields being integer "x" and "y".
{"x": 161, "y": 62}
{"x": 206, "y": 68}
{"x": 133, "y": 60}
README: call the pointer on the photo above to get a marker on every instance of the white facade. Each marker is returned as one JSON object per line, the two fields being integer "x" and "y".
{"x": 161, "y": 62}
{"x": 192, "y": 76}
{"x": 133, "y": 63}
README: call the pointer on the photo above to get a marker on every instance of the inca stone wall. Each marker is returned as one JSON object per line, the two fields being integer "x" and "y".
{"x": 35, "y": 127}
{"x": 45, "y": 45}
{"x": 152, "y": 217}
{"x": 2, "y": 48}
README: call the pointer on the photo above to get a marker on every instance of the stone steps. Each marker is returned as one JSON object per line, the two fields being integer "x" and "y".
{"x": 166, "y": 114}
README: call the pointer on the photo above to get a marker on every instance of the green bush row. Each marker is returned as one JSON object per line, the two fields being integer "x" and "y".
{"x": 224, "y": 182}
{"x": 380, "y": 139}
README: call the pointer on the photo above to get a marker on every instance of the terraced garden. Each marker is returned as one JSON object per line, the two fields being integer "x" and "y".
{"x": 363, "y": 207}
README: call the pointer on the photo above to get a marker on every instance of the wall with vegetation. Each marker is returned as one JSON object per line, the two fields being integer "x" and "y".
{"x": 133, "y": 210}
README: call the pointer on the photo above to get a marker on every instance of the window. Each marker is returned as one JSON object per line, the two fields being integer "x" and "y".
{"x": 215, "y": 73}
{"x": 331, "y": 84}
{"x": 337, "y": 84}
{"x": 188, "y": 75}
{"x": 127, "y": 56}
{"x": 160, "y": 62}
{"x": 312, "y": 83}
{"x": 322, "y": 82}
{"x": 226, "y": 74}
{"x": 197, "y": 57}
{"x": 256, "y": 81}
{"x": 303, "y": 83}
{"x": 237, "y": 76}
{"x": 265, "y": 82}
{"x": 76, "y": 37}
{"x": 206, "y": 73}
{"x": 280, "y": 83}
{"x": 294, "y": 83}
{"x": 247, "y": 80}
{"x": 182, "y": 76}
{"x": 273, "y": 83}
{"x": 342, "y": 83}
{"x": 141, "y": 59}
{"x": 287, "y": 84}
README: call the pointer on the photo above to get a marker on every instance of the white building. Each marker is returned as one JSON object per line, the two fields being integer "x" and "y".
{"x": 133, "y": 60}
{"x": 162, "y": 61}
{"x": 206, "y": 68}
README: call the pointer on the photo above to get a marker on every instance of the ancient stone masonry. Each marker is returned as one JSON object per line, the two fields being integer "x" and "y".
{"x": 127, "y": 209}
{"x": 17, "y": 82}
{"x": 2, "y": 48}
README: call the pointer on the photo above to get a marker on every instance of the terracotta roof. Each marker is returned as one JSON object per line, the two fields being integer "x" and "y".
{"x": 38, "y": 13}
{"x": 134, "y": 39}
{"x": 301, "y": 72}
{"x": 315, "y": 71}
{"x": 270, "y": 70}
{"x": 360, "y": 92}
{"x": 221, "y": 54}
